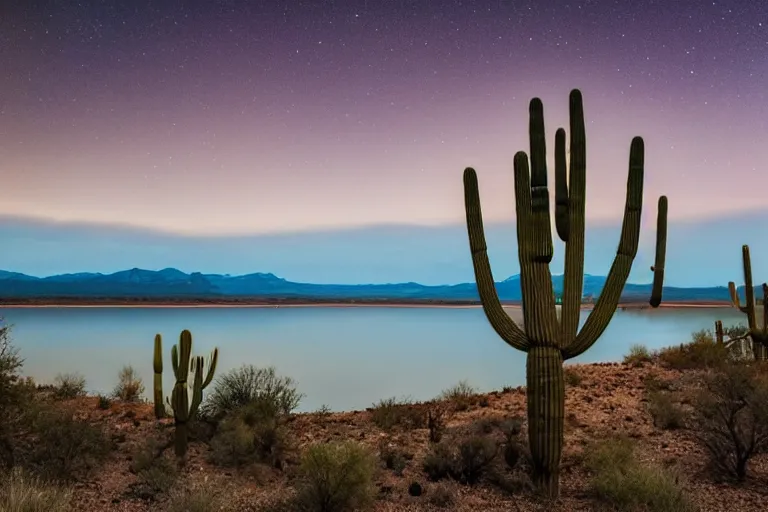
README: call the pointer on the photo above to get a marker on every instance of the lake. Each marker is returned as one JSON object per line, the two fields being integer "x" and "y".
{"x": 343, "y": 357}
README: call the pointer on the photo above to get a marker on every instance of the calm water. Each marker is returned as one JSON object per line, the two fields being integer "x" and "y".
{"x": 345, "y": 358}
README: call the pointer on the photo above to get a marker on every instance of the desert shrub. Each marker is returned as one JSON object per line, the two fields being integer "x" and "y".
{"x": 435, "y": 422}
{"x": 15, "y": 395}
{"x": 20, "y": 492}
{"x": 205, "y": 497}
{"x": 247, "y": 384}
{"x": 442, "y": 496}
{"x": 104, "y": 402}
{"x": 391, "y": 412}
{"x": 336, "y": 477}
{"x": 466, "y": 461}
{"x": 64, "y": 447}
{"x": 621, "y": 481}
{"x": 638, "y": 355}
{"x": 155, "y": 473}
{"x": 572, "y": 377}
{"x": 130, "y": 387}
{"x": 254, "y": 432}
{"x": 732, "y": 414}
{"x": 702, "y": 352}
{"x": 69, "y": 385}
{"x": 665, "y": 412}
{"x": 735, "y": 331}
{"x": 393, "y": 457}
{"x": 515, "y": 450}
{"x": 462, "y": 395}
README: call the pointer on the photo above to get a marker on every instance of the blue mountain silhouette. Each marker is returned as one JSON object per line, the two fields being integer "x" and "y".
{"x": 171, "y": 283}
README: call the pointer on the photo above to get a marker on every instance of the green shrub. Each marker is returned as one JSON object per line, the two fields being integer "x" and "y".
{"x": 666, "y": 413}
{"x": 69, "y": 385}
{"x": 702, "y": 352}
{"x": 336, "y": 477}
{"x": 20, "y": 492}
{"x": 205, "y": 497}
{"x": 462, "y": 395}
{"x": 625, "y": 484}
{"x": 130, "y": 386}
{"x": 638, "y": 355}
{"x": 466, "y": 461}
{"x": 16, "y": 394}
{"x": 253, "y": 433}
{"x": 572, "y": 377}
{"x": 65, "y": 447}
{"x": 391, "y": 412}
{"x": 248, "y": 384}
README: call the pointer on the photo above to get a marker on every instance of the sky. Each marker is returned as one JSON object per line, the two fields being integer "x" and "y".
{"x": 276, "y": 120}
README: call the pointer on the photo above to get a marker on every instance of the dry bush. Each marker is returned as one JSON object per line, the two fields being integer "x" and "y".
{"x": 638, "y": 355}
{"x": 255, "y": 432}
{"x": 391, "y": 412}
{"x": 203, "y": 497}
{"x": 666, "y": 413}
{"x": 461, "y": 395}
{"x": 68, "y": 386}
{"x": 572, "y": 377}
{"x": 732, "y": 413}
{"x": 619, "y": 480}
{"x": 701, "y": 353}
{"x": 130, "y": 387}
{"x": 336, "y": 477}
{"x": 465, "y": 460}
{"x": 247, "y": 384}
{"x": 20, "y": 492}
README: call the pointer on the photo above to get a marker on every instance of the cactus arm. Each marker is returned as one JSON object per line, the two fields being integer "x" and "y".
{"x": 197, "y": 386}
{"x": 157, "y": 364}
{"x": 606, "y": 304}
{"x": 506, "y": 328}
{"x": 175, "y": 361}
{"x": 561, "y": 187}
{"x": 661, "y": 253}
{"x": 765, "y": 309}
{"x": 573, "y": 285}
{"x": 734, "y": 292}
{"x": 211, "y": 367}
{"x": 539, "y": 312}
{"x": 749, "y": 288}
{"x": 538, "y": 194}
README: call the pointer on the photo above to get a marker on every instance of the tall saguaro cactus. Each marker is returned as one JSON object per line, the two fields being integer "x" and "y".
{"x": 759, "y": 334}
{"x": 183, "y": 363}
{"x": 547, "y": 340}
{"x": 157, "y": 365}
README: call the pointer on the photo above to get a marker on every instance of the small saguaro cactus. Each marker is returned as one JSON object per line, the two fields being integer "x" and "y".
{"x": 759, "y": 334}
{"x": 183, "y": 362}
{"x": 547, "y": 340}
{"x": 157, "y": 364}
{"x": 719, "y": 332}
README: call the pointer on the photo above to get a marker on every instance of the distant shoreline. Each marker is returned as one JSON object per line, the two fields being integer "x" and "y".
{"x": 256, "y": 303}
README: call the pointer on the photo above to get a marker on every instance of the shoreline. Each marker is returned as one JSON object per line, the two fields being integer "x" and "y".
{"x": 329, "y": 304}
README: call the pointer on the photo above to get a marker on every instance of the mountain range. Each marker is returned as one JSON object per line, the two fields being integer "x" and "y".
{"x": 174, "y": 284}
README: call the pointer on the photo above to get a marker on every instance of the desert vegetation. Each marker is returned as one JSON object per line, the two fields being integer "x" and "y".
{"x": 249, "y": 450}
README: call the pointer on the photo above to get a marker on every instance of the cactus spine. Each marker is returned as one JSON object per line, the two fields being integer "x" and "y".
{"x": 157, "y": 364}
{"x": 547, "y": 341}
{"x": 759, "y": 334}
{"x": 183, "y": 362}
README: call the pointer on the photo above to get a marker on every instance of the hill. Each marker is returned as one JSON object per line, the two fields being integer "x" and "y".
{"x": 173, "y": 284}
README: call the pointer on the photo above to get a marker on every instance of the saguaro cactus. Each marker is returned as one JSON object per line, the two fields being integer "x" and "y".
{"x": 157, "y": 364}
{"x": 547, "y": 340}
{"x": 759, "y": 334}
{"x": 183, "y": 363}
{"x": 719, "y": 332}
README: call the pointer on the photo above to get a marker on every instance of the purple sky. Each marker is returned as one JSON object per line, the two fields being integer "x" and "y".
{"x": 235, "y": 117}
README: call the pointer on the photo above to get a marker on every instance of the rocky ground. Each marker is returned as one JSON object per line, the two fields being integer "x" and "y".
{"x": 602, "y": 400}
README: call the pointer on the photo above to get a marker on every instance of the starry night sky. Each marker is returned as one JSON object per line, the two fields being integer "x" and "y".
{"x": 219, "y": 116}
